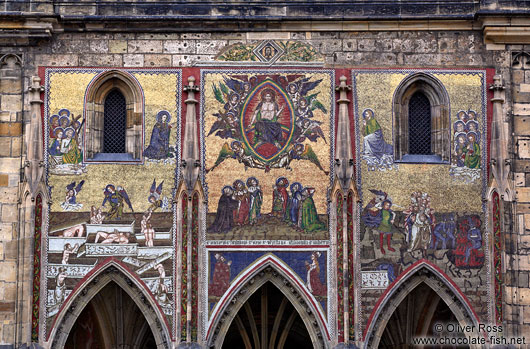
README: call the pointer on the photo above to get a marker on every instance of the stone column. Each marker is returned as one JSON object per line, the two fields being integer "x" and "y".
{"x": 190, "y": 170}
{"x": 10, "y": 163}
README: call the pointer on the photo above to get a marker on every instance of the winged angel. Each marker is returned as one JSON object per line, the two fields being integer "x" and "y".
{"x": 268, "y": 127}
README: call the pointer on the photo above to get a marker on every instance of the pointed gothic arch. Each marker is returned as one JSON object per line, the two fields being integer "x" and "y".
{"x": 109, "y": 271}
{"x": 422, "y": 272}
{"x": 432, "y": 89}
{"x": 95, "y": 113}
{"x": 271, "y": 269}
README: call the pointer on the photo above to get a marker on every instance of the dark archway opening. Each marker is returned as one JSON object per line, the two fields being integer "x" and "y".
{"x": 415, "y": 317}
{"x": 267, "y": 320}
{"x": 111, "y": 320}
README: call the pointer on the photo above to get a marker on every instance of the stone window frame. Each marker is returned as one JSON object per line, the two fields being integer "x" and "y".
{"x": 434, "y": 90}
{"x": 94, "y": 107}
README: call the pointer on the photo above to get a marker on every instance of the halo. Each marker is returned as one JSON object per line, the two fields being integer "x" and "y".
{"x": 366, "y": 110}
{"x": 64, "y": 110}
{"x": 163, "y": 112}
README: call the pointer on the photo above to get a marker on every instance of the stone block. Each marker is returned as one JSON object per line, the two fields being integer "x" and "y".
{"x": 5, "y": 146}
{"x": 57, "y": 60}
{"x": 157, "y": 60}
{"x": 524, "y": 296}
{"x": 521, "y": 125}
{"x": 10, "y": 85}
{"x": 210, "y": 46}
{"x": 518, "y": 76}
{"x": 495, "y": 47}
{"x": 521, "y": 166}
{"x": 133, "y": 60}
{"x": 519, "y": 179}
{"x": 520, "y": 96}
{"x": 527, "y": 76}
{"x": 521, "y": 108}
{"x": 8, "y": 194}
{"x": 11, "y": 252}
{"x": 181, "y": 60}
{"x": 5, "y": 116}
{"x": 117, "y": 46}
{"x": 524, "y": 262}
{"x": 105, "y": 60}
{"x": 522, "y": 194}
{"x": 526, "y": 314}
{"x": 99, "y": 46}
{"x": 11, "y": 102}
{"x": 8, "y": 271}
{"x": 4, "y": 180}
{"x": 523, "y": 148}
{"x": 6, "y": 232}
{"x": 349, "y": 45}
{"x": 523, "y": 279}
{"x": 429, "y": 59}
{"x": 366, "y": 45}
{"x": 124, "y": 36}
{"x": 144, "y": 46}
{"x": 179, "y": 46}
{"x": 9, "y": 213}
{"x": 16, "y": 146}
{"x": 10, "y": 128}
{"x": 98, "y": 36}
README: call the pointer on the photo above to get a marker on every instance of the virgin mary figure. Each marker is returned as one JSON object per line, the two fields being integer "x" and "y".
{"x": 376, "y": 151}
{"x": 158, "y": 147}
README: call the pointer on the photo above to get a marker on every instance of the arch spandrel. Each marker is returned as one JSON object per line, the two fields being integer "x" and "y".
{"x": 269, "y": 268}
{"x": 109, "y": 271}
{"x": 421, "y": 272}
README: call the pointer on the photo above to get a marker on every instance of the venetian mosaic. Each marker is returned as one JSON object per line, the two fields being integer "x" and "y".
{"x": 110, "y": 210}
{"x": 267, "y": 149}
{"x": 439, "y": 216}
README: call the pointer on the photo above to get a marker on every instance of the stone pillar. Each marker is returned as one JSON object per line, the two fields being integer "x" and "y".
{"x": 190, "y": 149}
{"x": 517, "y": 225}
{"x": 10, "y": 161}
{"x": 190, "y": 169}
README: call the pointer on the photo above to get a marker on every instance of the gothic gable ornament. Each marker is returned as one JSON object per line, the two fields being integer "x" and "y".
{"x": 271, "y": 52}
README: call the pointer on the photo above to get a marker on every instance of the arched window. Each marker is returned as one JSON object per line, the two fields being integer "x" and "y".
{"x": 114, "y": 118}
{"x": 421, "y": 120}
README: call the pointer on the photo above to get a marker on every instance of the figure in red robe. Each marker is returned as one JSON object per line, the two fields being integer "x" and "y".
{"x": 221, "y": 277}
{"x": 314, "y": 284}
{"x": 243, "y": 198}
{"x": 280, "y": 197}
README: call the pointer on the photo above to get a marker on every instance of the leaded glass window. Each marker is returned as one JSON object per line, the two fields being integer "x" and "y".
{"x": 419, "y": 124}
{"x": 115, "y": 116}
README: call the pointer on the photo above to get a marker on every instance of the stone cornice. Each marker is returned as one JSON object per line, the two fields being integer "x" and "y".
{"x": 506, "y": 30}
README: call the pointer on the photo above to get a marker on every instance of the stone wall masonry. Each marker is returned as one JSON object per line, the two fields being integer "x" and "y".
{"x": 10, "y": 151}
{"x": 402, "y": 48}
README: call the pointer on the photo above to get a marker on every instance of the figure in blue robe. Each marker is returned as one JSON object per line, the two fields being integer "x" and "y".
{"x": 159, "y": 144}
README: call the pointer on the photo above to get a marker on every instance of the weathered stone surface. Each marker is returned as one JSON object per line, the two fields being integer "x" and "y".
{"x": 521, "y": 108}
{"x": 210, "y": 46}
{"x": 133, "y": 60}
{"x": 144, "y": 46}
{"x": 56, "y": 60}
{"x": 103, "y": 60}
{"x": 9, "y": 213}
{"x": 179, "y": 46}
{"x": 521, "y": 125}
{"x": 117, "y": 46}
{"x": 157, "y": 60}
{"x": 11, "y": 102}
